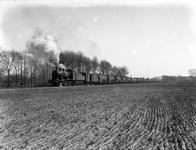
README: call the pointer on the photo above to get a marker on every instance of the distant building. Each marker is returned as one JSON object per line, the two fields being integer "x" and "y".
{"x": 178, "y": 79}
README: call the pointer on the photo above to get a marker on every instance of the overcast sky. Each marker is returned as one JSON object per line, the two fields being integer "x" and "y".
{"x": 151, "y": 39}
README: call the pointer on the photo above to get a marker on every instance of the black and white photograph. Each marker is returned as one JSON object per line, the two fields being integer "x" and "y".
{"x": 97, "y": 75}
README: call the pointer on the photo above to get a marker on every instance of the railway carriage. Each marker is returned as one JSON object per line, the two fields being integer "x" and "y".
{"x": 111, "y": 79}
{"x": 103, "y": 79}
{"x": 94, "y": 78}
{"x": 87, "y": 79}
{"x": 128, "y": 79}
{"x": 78, "y": 79}
{"x": 118, "y": 79}
{"x": 123, "y": 79}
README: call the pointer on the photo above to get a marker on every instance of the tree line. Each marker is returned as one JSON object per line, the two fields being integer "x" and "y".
{"x": 81, "y": 63}
{"x": 19, "y": 68}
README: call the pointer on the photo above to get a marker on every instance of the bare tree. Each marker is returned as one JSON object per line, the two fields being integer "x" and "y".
{"x": 114, "y": 70}
{"x": 1, "y": 76}
{"x": 119, "y": 71}
{"x": 68, "y": 58}
{"x": 124, "y": 71}
{"x": 17, "y": 62}
{"x": 95, "y": 64}
{"x": 31, "y": 66}
{"x": 6, "y": 61}
{"x": 105, "y": 66}
{"x": 25, "y": 66}
{"x": 87, "y": 63}
{"x": 79, "y": 60}
{"x": 192, "y": 72}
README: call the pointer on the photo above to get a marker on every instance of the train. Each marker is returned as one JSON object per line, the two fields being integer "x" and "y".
{"x": 68, "y": 77}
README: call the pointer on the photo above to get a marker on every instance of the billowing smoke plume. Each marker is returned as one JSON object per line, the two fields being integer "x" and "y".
{"x": 43, "y": 49}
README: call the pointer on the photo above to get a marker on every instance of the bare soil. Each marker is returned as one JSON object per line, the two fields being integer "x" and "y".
{"x": 135, "y": 117}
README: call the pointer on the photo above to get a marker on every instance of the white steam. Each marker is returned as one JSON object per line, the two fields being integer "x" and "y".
{"x": 43, "y": 49}
{"x": 62, "y": 66}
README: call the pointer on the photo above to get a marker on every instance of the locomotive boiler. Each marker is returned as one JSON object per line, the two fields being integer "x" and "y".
{"x": 61, "y": 73}
{"x": 65, "y": 77}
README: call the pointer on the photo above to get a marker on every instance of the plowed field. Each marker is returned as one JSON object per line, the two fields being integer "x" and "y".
{"x": 135, "y": 117}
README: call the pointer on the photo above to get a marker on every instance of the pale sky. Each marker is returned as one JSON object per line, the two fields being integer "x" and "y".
{"x": 152, "y": 39}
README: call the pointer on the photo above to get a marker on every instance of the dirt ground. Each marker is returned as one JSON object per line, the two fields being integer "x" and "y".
{"x": 103, "y": 117}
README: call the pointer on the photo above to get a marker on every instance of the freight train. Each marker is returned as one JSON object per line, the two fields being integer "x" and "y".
{"x": 66, "y": 77}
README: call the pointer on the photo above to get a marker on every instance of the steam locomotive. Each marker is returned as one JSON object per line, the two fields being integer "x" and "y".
{"x": 67, "y": 77}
